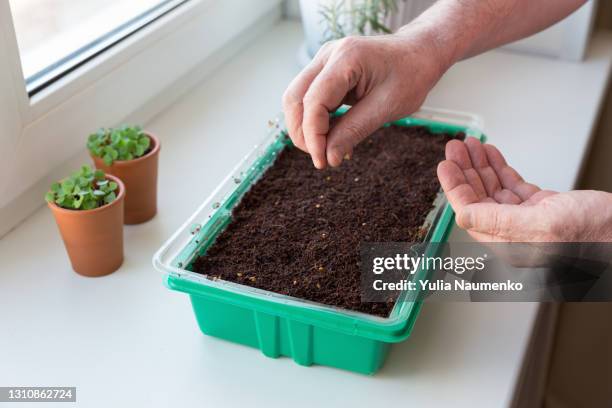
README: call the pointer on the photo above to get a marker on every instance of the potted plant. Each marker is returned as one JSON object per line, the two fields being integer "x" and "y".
{"x": 132, "y": 155}
{"x": 325, "y": 20}
{"x": 88, "y": 209}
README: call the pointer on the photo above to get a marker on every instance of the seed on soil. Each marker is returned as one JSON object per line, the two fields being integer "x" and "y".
{"x": 294, "y": 282}
{"x": 324, "y": 235}
{"x": 328, "y": 178}
{"x": 252, "y": 279}
{"x": 347, "y": 157}
{"x": 239, "y": 274}
{"x": 318, "y": 286}
{"x": 356, "y": 178}
{"x": 318, "y": 205}
{"x": 321, "y": 269}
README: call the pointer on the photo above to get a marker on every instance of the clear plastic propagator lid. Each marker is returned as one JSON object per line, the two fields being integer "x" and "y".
{"x": 199, "y": 231}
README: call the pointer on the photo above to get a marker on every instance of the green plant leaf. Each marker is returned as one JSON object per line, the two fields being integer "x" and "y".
{"x": 56, "y": 187}
{"x": 67, "y": 186}
{"x": 67, "y": 202}
{"x": 112, "y": 186}
{"x": 79, "y": 192}
{"x": 89, "y": 205}
{"x": 139, "y": 151}
{"x": 123, "y": 143}
{"x": 77, "y": 200}
{"x": 110, "y": 197}
{"x": 115, "y": 137}
{"x": 144, "y": 142}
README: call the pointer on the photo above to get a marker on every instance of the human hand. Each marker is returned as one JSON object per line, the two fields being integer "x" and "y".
{"x": 494, "y": 204}
{"x": 385, "y": 78}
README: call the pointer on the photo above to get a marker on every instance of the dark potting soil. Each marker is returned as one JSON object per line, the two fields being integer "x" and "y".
{"x": 298, "y": 230}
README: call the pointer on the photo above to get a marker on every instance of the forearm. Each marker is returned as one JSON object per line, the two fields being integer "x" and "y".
{"x": 459, "y": 29}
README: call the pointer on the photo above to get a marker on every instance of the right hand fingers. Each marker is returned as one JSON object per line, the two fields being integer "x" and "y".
{"x": 326, "y": 93}
{"x": 318, "y": 90}
{"x": 293, "y": 98}
{"x": 359, "y": 122}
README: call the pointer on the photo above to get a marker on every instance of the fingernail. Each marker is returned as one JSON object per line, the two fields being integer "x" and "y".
{"x": 334, "y": 158}
{"x": 318, "y": 164}
{"x": 464, "y": 219}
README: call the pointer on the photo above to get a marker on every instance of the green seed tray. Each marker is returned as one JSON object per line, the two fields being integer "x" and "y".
{"x": 279, "y": 325}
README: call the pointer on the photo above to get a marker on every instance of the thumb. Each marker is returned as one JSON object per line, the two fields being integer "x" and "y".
{"x": 510, "y": 221}
{"x": 351, "y": 128}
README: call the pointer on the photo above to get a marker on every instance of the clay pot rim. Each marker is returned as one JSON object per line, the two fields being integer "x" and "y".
{"x": 153, "y": 151}
{"x": 105, "y": 207}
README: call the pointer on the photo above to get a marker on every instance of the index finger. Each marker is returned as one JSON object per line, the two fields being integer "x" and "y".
{"x": 325, "y": 94}
{"x": 293, "y": 106}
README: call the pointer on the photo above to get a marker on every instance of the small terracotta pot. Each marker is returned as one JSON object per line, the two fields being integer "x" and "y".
{"x": 140, "y": 179}
{"x": 93, "y": 238}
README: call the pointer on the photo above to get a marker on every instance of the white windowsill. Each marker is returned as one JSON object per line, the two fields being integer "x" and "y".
{"x": 125, "y": 340}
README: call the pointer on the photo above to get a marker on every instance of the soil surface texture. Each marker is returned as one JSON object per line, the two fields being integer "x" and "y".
{"x": 298, "y": 230}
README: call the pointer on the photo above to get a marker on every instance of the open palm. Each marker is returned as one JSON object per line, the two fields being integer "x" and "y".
{"x": 493, "y": 202}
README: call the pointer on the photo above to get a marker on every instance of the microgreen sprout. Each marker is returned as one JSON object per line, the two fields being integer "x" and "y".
{"x": 85, "y": 189}
{"x": 124, "y": 143}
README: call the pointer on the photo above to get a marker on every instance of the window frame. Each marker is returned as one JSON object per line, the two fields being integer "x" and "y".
{"x": 39, "y": 134}
{"x": 88, "y": 52}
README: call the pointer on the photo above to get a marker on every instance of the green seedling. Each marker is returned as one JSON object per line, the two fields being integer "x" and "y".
{"x": 125, "y": 143}
{"x": 342, "y": 18}
{"x": 85, "y": 189}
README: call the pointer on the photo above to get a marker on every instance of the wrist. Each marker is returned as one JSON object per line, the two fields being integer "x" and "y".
{"x": 596, "y": 217}
{"x": 606, "y": 227}
{"x": 429, "y": 43}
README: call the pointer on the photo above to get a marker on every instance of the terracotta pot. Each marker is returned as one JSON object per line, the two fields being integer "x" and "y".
{"x": 140, "y": 179}
{"x": 93, "y": 238}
